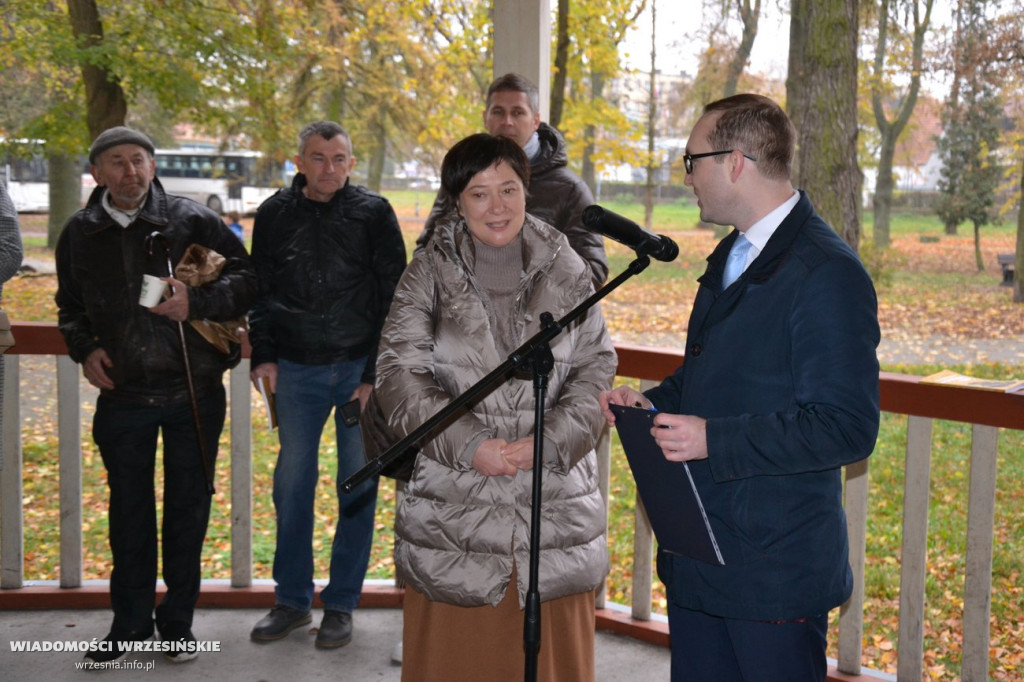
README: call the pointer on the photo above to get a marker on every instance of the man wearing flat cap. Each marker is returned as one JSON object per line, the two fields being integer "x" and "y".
{"x": 133, "y": 354}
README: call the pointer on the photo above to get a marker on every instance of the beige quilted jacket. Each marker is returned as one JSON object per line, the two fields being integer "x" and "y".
{"x": 458, "y": 531}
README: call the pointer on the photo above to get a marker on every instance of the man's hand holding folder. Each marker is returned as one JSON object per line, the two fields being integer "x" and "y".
{"x": 663, "y": 478}
{"x": 682, "y": 437}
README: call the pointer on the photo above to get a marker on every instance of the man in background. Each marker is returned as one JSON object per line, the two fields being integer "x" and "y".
{"x": 556, "y": 195}
{"x": 328, "y": 254}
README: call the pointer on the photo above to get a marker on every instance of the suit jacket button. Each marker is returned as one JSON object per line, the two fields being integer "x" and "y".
{"x": 696, "y": 349}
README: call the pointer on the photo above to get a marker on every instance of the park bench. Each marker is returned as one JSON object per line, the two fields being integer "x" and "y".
{"x": 1006, "y": 261}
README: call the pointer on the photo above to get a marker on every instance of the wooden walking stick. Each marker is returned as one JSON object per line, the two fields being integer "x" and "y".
{"x": 153, "y": 238}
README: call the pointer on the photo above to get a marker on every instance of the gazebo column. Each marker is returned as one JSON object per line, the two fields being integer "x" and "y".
{"x": 522, "y": 43}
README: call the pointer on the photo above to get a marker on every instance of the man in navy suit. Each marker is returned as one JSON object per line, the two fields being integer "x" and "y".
{"x": 778, "y": 392}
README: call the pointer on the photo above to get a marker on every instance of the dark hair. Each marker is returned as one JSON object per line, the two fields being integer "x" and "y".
{"x": 755, "y": 125}
{"x": 476, "y": 153}
{"x": 513, "y": 82}
{"x": 326, "y": 130}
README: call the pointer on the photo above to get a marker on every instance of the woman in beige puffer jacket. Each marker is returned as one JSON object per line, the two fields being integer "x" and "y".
{"x": 463, "y": 535}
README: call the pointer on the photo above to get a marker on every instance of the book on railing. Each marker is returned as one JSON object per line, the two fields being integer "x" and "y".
{"x": 263, "y": 383}
{"x": 949, "y": 378}
{"x": 666, "y": 489}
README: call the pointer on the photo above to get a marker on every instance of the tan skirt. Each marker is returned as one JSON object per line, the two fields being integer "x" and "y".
{"x": 442, "y": 642}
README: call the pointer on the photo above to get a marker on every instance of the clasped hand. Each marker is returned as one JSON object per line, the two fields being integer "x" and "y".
{"x": 498, "y": 457}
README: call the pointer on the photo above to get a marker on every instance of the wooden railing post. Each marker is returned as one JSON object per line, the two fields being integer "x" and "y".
{"x": 643, "y": 552}
{"x": 978, "y": 571}
{"x": 915, "y": 548}
{"x": 69, "y": 434}
{"x": 12, "y": 539}
{"x": 241, "y": 476}
{"x": 643, "y": 559}
{"x": 604, "y": 482}
{"x": 851, "y": 614}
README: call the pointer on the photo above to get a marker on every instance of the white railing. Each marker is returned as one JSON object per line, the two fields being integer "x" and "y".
{"x": 901, "y": 394}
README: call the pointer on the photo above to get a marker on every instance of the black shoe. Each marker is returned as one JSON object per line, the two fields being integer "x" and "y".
{"x": 179, "y": 633}
{"x": 335, "y": 630}
{"x": 110, "y": 649}
{"x": 279, "y": 622}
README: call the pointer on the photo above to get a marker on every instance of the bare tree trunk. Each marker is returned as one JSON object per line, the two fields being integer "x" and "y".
{"x": 824, "y": 78}
{"x": 954, "y": 94}
{"x": 588, "y": 171}
{"x": 652, "y": 113}
{"x": 1018, "y": 267}
{"x": 561, "y": 61}
{"x": 882, "y": 200}
{"x": 65, "y": 193}
{"x": 378, "y": 152}
{"x": 891, "y": 130}
{"x": 749, "y": 16}
{"x": 796, "y": 75}
{"x": 977, "y": 248}
{"x": 106, "y": 106}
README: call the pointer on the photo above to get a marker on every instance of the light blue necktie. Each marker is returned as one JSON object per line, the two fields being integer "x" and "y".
{"x": 737, "y": 260}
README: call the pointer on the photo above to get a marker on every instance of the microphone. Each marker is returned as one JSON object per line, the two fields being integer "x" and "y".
{"x": 625, "y": 231}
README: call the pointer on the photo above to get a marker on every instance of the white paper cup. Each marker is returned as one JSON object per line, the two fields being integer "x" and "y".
{"x": 153, "y": 289}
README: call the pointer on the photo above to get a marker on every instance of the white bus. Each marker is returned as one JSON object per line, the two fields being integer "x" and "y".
{"x": 222, "y": 181}
{"x": 24, "y": 172}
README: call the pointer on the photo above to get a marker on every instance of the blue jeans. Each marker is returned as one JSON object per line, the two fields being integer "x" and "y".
{"x": 126, "y": 434}
{"x": 306, "y": 394}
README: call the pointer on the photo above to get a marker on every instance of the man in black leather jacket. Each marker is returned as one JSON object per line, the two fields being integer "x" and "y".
{"x": 556, "y": 194}
{"x": 134, "y": 356}
{"x": 329, "y": 255}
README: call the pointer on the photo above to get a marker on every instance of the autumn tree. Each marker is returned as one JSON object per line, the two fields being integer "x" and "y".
{"x": 1008, "y": 57}
{"x": 895, "y": 44}
{"x": 1003, "y": 53}
{"x": 461, "y": 73}
{"x": 1018, "y": 280}
{"x": 970, "y": 139}
{"x": 821, "y": 91}
{"x": 42, "y": 98}
{"x": 597, "y": 131}
{"x": 406, "y": 78}
{"x": 721, "y": 70}
{"x": 95, "y": 72}
{"x": 410, "y": 78}
{"x": 560, "y": 63}
{"x": 652, "y": 118}
{"x": 749, "y": 12}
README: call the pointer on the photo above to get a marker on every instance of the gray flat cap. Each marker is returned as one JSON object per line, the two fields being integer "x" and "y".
{"x": 112, "y": 137}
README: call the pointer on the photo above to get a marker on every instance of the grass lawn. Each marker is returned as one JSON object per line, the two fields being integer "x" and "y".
{"x": 929, "y": 289}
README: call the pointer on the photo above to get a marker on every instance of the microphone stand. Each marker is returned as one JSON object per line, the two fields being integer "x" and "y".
{"x": 535, "y": 353}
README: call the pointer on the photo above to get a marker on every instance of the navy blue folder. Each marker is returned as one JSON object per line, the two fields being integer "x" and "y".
{"x": 667, "y": 490}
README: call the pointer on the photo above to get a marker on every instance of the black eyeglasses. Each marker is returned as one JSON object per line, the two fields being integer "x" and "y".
{"x": 688, "y": 159}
